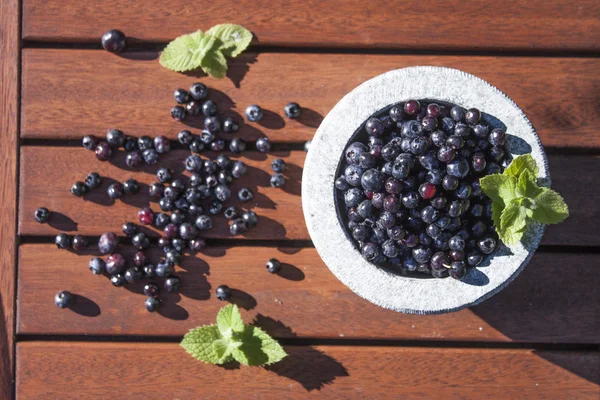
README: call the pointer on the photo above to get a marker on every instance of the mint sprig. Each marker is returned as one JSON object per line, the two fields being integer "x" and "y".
{"x": 230, "y": 339}
{"x": 517, "y": 199}
{"x": 206, "y": 50}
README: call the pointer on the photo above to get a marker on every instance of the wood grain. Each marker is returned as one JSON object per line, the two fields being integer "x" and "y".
{"x": 149, "y": 371}
{"x": 305, "y": 300}
{"x": 440, "y": 25}
{"x": 280, "y": 210}
{"x": 9, "y": 119}
{"x": 71, "y": 93}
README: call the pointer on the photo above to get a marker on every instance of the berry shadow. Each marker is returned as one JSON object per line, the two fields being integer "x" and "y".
{"x": 133, "y": 55}
{"x": 170, "y": 309}
{"x": 194, "y": 282}
{"x": 309, "y": 367}
{"x": 84, "y": 306}
{"x": 135, "y": 200}
{"x": 291, "y": 272}
{"x": 269, "y": 228}
{"x": 293, "y": 180}
{"x": 99, "y": 195}
{"x": 62, "y": 222}
{"x": 516, "y": 145}
{"x": 501, "y": 251}
{"x": 242, "y": 299}
{"x": 310, "y": 117}
{"x": 271, "y": 120}
{"x": 475, "y": 278}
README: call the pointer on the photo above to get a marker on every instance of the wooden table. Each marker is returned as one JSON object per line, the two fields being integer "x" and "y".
{"x": 537, "y": 339}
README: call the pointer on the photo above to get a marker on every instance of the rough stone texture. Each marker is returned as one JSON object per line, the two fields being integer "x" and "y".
{"x": 405, "y": 294}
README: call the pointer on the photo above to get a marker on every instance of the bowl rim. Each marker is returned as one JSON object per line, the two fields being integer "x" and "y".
{"x": 388, "y": 290}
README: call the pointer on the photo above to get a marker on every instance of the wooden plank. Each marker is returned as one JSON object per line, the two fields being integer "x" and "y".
{"x": 95, "y": 213}
{"x": 453, "y": 24}
{"x": 9, "y": 120}
{"x": 71, "y": 93}
{"x": 86, "y": 371}
{"x": 280, "y": 209}
{"x": 527, "y": 310}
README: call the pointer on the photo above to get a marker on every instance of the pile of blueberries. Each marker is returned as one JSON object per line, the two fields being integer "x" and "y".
{"x": 187, "y": 205}
{"x": 409, "y": 188}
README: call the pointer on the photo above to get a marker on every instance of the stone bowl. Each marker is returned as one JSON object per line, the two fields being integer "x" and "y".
{"x": 413, "y": 295}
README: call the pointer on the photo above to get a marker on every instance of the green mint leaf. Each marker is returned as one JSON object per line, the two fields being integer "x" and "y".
{"x": 223, "y": 349}
{"x": 512, "y": 222}
{"x": 500, "y": 188}
{"x": 214, "y": 64}
{"x": 186, "y": 52}
{"x": 527, "y": 185}
{"x": 233, "y": 39}
{"x": 199, "y": 344}
{"x": 258, "y": 348}
{"x": 520, "y": 164}
{"x": 550, "y": 208}
{"x": 229, "y": 320}
{"x": 497, "y": 209}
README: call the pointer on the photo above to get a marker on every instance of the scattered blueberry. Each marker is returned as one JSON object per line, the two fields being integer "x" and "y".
{"x": 223, "y": 292}
{"x": 273, "y": 266}
{"x": 42, "y": 215}
{"x": 254, "y": 113}
{"x": 63, "y": 299}
{"x": 114, "y": 41}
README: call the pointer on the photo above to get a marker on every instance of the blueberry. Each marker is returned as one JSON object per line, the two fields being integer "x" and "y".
{"x": 172, "y": 284}
{"x": 410, "y": 200}
{"x": 230, "y": 126}
{"x": 410, "y": 264}
{"x": 438, "y": 261}
{"x": 196, "y": 146}
{"x": 400, "y": 171}
{"x": 386, "y": 219}
{"x": 456, "y": 243}
{"x": 412, "y": 107}
{"x": 196, "y": 245}
{"x": 42, "y": 215}
{"x": 396, "y": 113}
{"x": 292, "y": 110}
{"x": 458, "y": 270}
{"x": 429, "y": 214}
{"x": 263, "y": 145}
{"x": 150, "y": 156}
{"x": 152, "y": 304}
{"x": 370, "y": 251}
{"x": 410, "y": 240}
{"x": 478, "y": 162}
{"x": 393, "y": 185}
{"x": 238, "y": 227}
{"x": 486, "y": 245}
{"x": 497, "y": 137}
{"x": 396, "y": 232}
{"x": 474, "y": 258}
{"x": 115, "y": 263}
{"x": 433, "y": 231}
{"x": 115, "y": 138}
{"x": 217, "y": 145}
{"x": 115, "y": 191}
{"x": 479, "y": 229}
{"x": 250, "y": 218}
{"x": 472, "y": 116}
{"x": 366, "y": 160}
{"x": 107, "y": 243}
{"x": 374, "y": 127}
{"x": 215, "y": 207}
{"x": 389, "y": 248}
{"x": 151, "y": 289}
{"x": 162, "y": 144}
{"x": 496, "y": 154}
{"x": 421, "y": 254}
{"x": 114, "y": 41}
{"x": 207, "y": 137}
{"x": 223, "y": 292}
{"x": 203, "y": 222}
{"x": 458, "y": 168}
{"x": 254, "y": 113}
{"x": 89, "y": 142}
{"x": 63, "y": 299}
{"x": 391, "y": 203}
{"x": 378, "y": 199}
{"x": 433, "y": 110}
{"x": 354, "y": 151}
{"x": 361, "y": 232}
{"x": 78, "y": 243}
{"x": 237, "y": 146}
{"x": 427, "y": 191}
{"x": 455, "y": 209}
{"x": 212, "y": 124}
{"x": 131, "y": 186}
{"x": 178, "y": 113}
{"x": 79, "y": 189}
{"x": 140, "y": 241}
{"x": 429, "y": 124}
{"x": 463, "y": 191}
{"x": 97, "y": 266}
{"x": 118, "y": 280}
{"x": 134, "y": 274}
{"x": 133, "y": 159}
{"x": 277, "y": 180}
{"x": 420, "y": 145}
{"x": 193, "y": 108}
{"x": 493, "y": 168}
{"x": 273, "y": 266}
{"x": 198, "y": 91}
{"x": 481, "y": 131}
{"x": 93, "y": 180}
{"x": 457, "y": 113}
{"x": 365, "y": 209}
{"x": 461, "y": 130}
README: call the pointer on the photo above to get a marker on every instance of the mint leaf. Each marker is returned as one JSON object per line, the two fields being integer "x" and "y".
{"x": 500, "y": 188}
{"x": 186, "y": 52}
{"x": 214, "y": 64}
{"x": 258, "y": 348}
{"x": 233, "y": 39}
{"x": 512, "y": 222}
{"x": 520, "y": 164}
{"x": 527, "y": 185}
{"x": 550, "y": 208}
{"x": 229, "y": 320}
{"x": 497, "y": 209}
{"x": 223, "y": 349}
{"x": 199, "y": 343}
